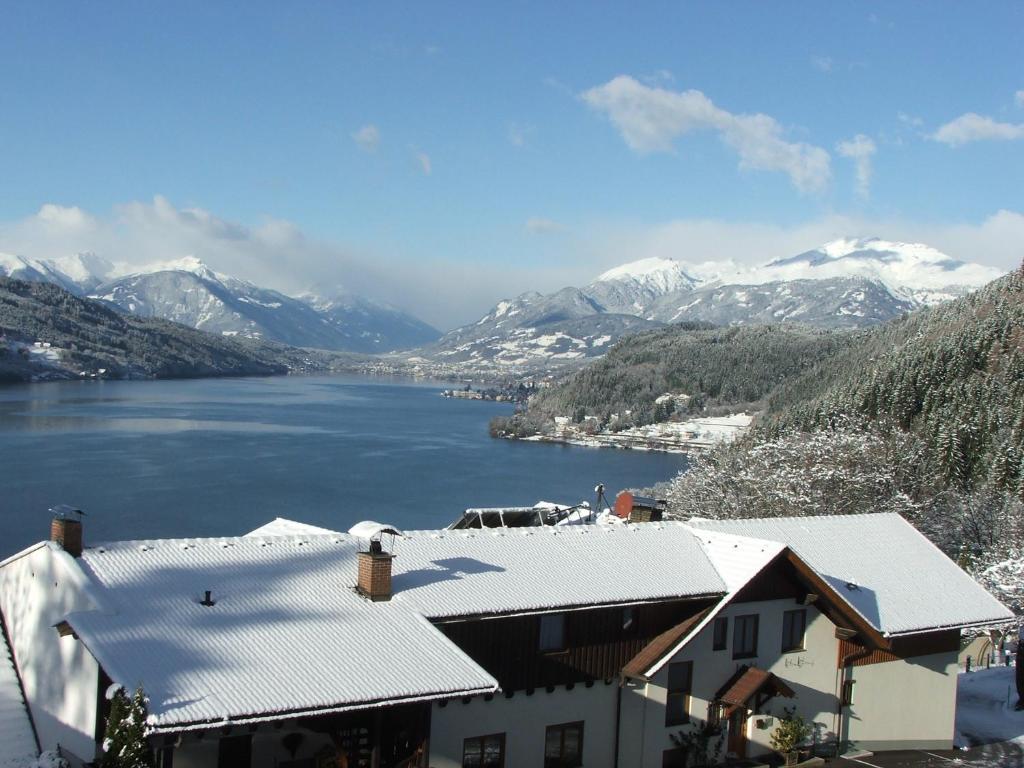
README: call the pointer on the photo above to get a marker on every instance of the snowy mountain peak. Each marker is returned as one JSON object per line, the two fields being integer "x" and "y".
{"x": 185, "y": 264}
{"x": 662, "y": 275}
{"x": 911, "y": 270}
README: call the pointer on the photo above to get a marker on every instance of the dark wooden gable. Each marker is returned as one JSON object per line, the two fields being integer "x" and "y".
{"x": 598, "y": 644}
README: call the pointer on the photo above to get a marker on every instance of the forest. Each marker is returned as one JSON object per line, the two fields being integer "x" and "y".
{"x": 923, "y": 416}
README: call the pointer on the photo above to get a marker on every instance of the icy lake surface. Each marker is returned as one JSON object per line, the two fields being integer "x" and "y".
{"x": 219, "y": 457}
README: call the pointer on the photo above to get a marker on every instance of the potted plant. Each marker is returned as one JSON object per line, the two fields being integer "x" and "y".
{"x": 789, "y": 735}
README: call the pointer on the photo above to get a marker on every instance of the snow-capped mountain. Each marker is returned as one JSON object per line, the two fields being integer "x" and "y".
{"x": 842, "y": 284}
{"x": 880, "y": 279}
{"x": 189, "y": 292}
{"x": 839, "y": 302}
{"x": 535, "y": 329}
{"x": 633, "y": 287}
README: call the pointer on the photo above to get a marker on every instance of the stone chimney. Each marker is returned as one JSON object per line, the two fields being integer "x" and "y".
{"x": 65, "y": 531}
{"x": 375, "y": 573}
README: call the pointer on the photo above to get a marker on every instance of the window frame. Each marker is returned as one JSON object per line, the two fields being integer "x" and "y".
{"x": 682, "y": 692}
{"x": 562, "y": 761}
{"x": 482, "y": 740}
{"x": 720, "y": 640}
{"x": 562, "y": 645}
{"x": 794, "y": 643}
{"x": 738, "y": 636}
{"x": 846, "y": 693}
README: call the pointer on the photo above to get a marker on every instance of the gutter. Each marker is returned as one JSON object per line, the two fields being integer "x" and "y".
{"x": 201, "y": 725}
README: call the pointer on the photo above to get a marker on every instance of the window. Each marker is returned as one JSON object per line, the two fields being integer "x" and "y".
{"x": 629, "y": 623}
{"x": 744, "y": 637}
{"x": 484, "y": 751}
{"x": 563, "y": 746}
{"x": 793, "y": 625}
{"x": 552, "y": 632}
{"x": 847, "y": 696}
{"x": 680, "y": 683}
{"x": 721, "y": 634}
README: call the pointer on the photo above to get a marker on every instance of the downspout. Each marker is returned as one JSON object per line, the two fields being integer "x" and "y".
{"x": 846, "y": 662}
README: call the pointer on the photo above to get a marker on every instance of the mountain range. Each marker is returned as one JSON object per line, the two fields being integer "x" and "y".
{"x": 187, "y": 291}
{"x": 846, "y": 283}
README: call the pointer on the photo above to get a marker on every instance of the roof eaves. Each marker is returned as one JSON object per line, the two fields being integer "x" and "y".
{"x": 23, "y": 553}
{"x": 453, "y": 618}
{"x": 266, "y": 717}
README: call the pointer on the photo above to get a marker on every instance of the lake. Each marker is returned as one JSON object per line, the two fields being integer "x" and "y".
{"x": 219, "y": 457}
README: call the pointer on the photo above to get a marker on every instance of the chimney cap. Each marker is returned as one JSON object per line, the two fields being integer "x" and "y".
{"x": 370, "y": 530}
{"x": 65, "y": 511}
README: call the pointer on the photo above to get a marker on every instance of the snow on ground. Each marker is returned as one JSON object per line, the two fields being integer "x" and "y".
{"x": 985, "y": 708}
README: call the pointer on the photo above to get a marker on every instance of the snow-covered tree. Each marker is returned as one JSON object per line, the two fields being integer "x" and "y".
{"x": 125, "y": 745}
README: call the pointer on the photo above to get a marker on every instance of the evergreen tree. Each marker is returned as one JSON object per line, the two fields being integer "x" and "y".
{"x": 125, "y": 743}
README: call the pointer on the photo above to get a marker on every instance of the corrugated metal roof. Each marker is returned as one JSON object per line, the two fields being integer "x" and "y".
{"x": 887, "y": 571}
{"x": 17, "y": 741}
{"x": 287, "y": 631}
{"x": 498, "y": 571}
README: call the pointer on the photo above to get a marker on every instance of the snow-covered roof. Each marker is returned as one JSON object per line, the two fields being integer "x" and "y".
{"x": 282, "y": 526}
{"x": 17, "y": 742}
{"x": 287, "y": 631}
{"x": 887, "y": 571}
{"x": 501, "y": 571}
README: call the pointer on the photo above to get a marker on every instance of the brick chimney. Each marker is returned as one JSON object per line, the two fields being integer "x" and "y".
{"x": 375, "y": 572}
{"x": 65, "y": 531}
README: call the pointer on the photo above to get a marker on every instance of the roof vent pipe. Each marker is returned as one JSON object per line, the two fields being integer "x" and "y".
{"x": 208, "y": 599}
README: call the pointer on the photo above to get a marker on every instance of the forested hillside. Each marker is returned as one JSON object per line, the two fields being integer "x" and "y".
{"x": 86, "y": 336}
{"x": 924, "y": 416}
{"x": 736, "y": 368}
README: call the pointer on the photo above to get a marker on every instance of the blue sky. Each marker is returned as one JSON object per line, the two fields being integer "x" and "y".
{"x": 492, "y": 148}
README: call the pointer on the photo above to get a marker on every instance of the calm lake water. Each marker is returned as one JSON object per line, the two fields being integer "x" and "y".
{"x": 215, "y": 457}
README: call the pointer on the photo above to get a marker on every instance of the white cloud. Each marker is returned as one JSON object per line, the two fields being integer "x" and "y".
{"x": 860, "y": 149}
{"x": 973, "y": 127}
{"x": 822, "y": 63}
{"x": 367, "y": 137}
{"x": 651, "y": 119}
{"x": 907, "y": 119}
{"x": 425, "y": 165}
{"x": 537, "y": 225}
{"x": 1018, "y": 98}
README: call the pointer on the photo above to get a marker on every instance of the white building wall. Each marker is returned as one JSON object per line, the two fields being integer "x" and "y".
{"x": 524, "y": 719}
{"x": 811, "y": 674}
{"x": 907, "y": 704}
{"x": 38, "y": 589}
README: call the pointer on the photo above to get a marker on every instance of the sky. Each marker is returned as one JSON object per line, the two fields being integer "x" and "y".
{"x": 442, "y": 156}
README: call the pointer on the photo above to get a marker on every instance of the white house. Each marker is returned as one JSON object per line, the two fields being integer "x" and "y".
{"x": 549, "y": 646}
